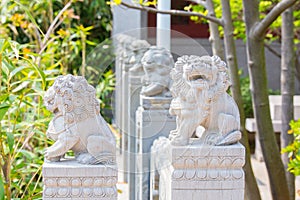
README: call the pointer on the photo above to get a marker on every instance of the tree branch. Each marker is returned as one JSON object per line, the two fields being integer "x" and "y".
{"x": 262, "y": 26}
{"x": 173, "y": 12}
{"x": 51, "y": 28}
{"x": 272, "y": 50}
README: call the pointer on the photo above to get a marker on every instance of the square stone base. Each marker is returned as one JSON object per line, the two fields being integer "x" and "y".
{"x": 69, "y": 179}
{"x": 204, "y": 172}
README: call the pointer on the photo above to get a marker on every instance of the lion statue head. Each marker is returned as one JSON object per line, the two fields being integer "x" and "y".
{"x": 201, "y": 73}
{"x": 157, "y": 63}
{"x": 73, "y": 98}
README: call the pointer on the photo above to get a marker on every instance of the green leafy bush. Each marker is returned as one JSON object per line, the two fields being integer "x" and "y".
{"x": 66, "y": 31}
{"x": 293, "y": 149}
{"x": 23, "y": 121}
{"x": 34, "y": 49}
{"x": 246, "y": 95}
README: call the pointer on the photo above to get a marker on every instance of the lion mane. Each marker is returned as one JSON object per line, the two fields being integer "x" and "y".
{"x": 77, "y": 99}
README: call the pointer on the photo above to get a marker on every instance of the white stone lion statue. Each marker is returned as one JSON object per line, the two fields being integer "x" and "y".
{"x": 77, "y": 124}
{"x": 201, "y": 103}
{"x": 157, "y": 63}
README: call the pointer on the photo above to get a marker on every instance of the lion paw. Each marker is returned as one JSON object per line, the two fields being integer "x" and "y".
{"x": 211, "y": 139}
{"x": 50, "y": 157}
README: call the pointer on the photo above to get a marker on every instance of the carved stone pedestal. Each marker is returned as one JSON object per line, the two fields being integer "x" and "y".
{"x": 202, "y": 172}
{"x": 70, "y": 180}
{"x": 153, "y": 120}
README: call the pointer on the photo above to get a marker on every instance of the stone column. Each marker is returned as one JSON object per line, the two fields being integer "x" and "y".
{"x": 69, "y": 179}
{"x": 124, "y": 119}
{"x": 153, "y": 120}
{"x": 131, "y": 83}
{"x": 134, "y": 26}
{"x": 122, "y": 44}
{"x": 134, "y": 91}
{"x": 163, "y": 29}
{"x": 201, "y": 172}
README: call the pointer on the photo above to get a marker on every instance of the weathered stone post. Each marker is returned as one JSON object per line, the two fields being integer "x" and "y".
{"x": 129, "y": 71}
{"x": 122, "y": 43}
{"x": 152, "y": 117}
{"x": 135, "y": 74}
{"x": 210, "y": 166}
{"x": 78, "y": 126}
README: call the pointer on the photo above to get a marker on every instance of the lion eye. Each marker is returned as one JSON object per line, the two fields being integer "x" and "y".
{"x": 51, "y": 101}
{"x": 149, "y": 62}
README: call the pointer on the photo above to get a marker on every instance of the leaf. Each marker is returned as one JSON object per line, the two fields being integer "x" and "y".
{"x": 91, "y": 43}
{"x": 15, "y": 47}
{"x": 3, "y": 45}
{"x": 16, "y": 70}
{"x": 118, "y": 2}
{"x": 10, "y": 141}
{"x": 39, "y": 71}
{"x": 30, "y": 16}
{"x": 1, "y": 189}
{"x": 3, "y": 97}
{"x": 5, "y": 67}
{"x": 3, "y": 109}
{"x": 21, "y": 86}
{"x": 29, "y": 155}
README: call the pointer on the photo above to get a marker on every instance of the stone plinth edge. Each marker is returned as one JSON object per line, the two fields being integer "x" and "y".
{"x": 70, "y": 180}
{"x": 208, "y": 157}
{"x": 154, "y": 103}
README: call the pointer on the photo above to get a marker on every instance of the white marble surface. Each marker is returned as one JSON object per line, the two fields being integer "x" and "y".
{"x": 77, "y": 124}
{"x": 209, "y": 172}
{"x": 201, "y": 103}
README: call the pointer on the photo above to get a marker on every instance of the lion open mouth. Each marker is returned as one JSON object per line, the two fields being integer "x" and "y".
{"x": 197, "y": 80}
{"x": 196, "y": 77}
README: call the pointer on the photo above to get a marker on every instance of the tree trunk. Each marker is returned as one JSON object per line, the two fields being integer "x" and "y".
{"x": 259, "y": 93}
{"x": 251, "y": 190}
{"x": 214, "y": 37}
{"x": 287, "y": 90}
{"x": 297, "y": 65}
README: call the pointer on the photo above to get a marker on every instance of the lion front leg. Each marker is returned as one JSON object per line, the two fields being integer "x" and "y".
{"x": 64, "y": 143}
{"x": 184, "y": 133}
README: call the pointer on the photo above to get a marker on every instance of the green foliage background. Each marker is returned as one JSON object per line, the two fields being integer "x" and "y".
{"x": 273, "y": 33}
{"x": 293, "y": 149}
{"x": 34, "y": 49}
